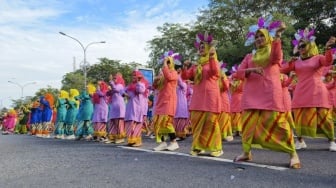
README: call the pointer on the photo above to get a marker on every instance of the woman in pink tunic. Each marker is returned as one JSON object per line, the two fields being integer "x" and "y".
{"x": 205, "y": 105}
{"x": 264, "y": 118}
{"x": 311, "y": 105}
{"x": 236, "y": 93}
{"x": 165, "y": 106}
{"x": 224, "y": 117}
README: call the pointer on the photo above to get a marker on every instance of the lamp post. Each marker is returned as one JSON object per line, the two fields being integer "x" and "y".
{"x": 22, "y": 86}
{"x": 84, "y": 50}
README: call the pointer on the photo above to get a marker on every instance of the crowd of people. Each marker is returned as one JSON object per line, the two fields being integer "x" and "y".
{"x": 264, "y": 100}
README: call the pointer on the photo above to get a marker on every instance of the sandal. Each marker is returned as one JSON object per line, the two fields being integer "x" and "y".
{"x": 243, "y": 157}
{"x": 295, "y": 163}
{"x": 196, "y": 152}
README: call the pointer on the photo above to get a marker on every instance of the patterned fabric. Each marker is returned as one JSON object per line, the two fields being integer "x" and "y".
{"x": 133, "y": 132}
{"x": 268, "y": 129}
{"x": 236, "y": 121}
{"x": 313, "y": 122}
{"x": 224, "y": 121}
{"x": 163, "y": 124}
{"x": 84, "y": 128}
{"x": 206, "y": 131}
{"x": 99, "y": 129}
{"x": 116, "y": 129}
{"x": 181, "y": 127}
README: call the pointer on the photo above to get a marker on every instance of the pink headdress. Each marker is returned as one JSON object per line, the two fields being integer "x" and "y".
{"x": 119, "y": 79}
{"x": 206, "y": 38}
{"x": 175, "y": 56}
{"x": 333, "y": 51}
{"x": 305, "y": 35}
{"x": 223, "y": 67}
{"x": 262, "y": 24}
{"x": 103, "y": 86}
{"x": 234, "y": 69}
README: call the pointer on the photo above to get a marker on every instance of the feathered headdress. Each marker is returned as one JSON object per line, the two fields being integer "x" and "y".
{"x": 204, "y": 38}
{"x": 307, "y": 36}
{"x": 262, "y": 24}
{"x": 333, "y": 51}
{"x": 234, "y": 69}
{"x": 208, "y": 42}
{"x": 223, "y": 67}
{"x": 176, "y": 57}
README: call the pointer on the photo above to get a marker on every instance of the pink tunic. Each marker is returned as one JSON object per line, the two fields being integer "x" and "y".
{"x": 225, "y": 96}
{"x": 236, "y": 96}
{"x": 310, "y": 91}
{"x": 206, "y": 94}
{"x": 285, "y": 81}
{"x": 263, "y": 92}
{"x": 166, "y": 98}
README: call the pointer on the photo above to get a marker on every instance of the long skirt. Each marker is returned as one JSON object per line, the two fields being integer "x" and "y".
{"x": 116, "y": 129}
{"x": 224, "y": 121}
{"x": 163, "y": 125}
{"x": 313, "y": 122}
{"x": 181, "y": 127}
{"x": 83, "y": 128}
{"x": 205, "y": 131}
{"x": 133, "y": 132}
{"x": 268, "y": 129}
{"x": 236, "y": 121}
{"x": 99, "y": 129}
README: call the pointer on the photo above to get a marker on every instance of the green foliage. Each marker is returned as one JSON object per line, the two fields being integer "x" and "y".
{"x": 228, "y": 22}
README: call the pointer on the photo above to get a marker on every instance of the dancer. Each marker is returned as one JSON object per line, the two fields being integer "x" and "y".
{"x": 61, "y": 114}
{"x": 205, "y": 105}
{"x": 116, "y": 125}
{"x": 135, "y": 93}
{"x": 264, "y": 118}
{"x": 100, "y": 112}
{"x": 165, "y": 106}
{"x": 311, "y": 105}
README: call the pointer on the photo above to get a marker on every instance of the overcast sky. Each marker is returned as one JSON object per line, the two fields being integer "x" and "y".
{"x": 32, "y": 50}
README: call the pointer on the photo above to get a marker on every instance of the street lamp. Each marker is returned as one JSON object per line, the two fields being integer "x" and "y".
{"x": 84, "y": 50}
{"x": 22, "y": 86}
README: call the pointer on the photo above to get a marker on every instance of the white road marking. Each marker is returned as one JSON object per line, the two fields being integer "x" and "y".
{"x": 209, "y": 158}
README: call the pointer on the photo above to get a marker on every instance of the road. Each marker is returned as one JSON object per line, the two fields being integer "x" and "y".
{"x": 27, "y": 161}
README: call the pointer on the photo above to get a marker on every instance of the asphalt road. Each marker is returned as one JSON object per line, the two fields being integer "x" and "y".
{"x": 27, "y": 161}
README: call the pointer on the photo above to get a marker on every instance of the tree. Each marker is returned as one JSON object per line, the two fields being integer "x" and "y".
{"x": 176, "y": 37}
{"x": 73, "y": 80}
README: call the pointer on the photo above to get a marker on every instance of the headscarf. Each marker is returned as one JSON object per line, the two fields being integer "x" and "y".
{"x": 74, "y": 93}
{"x": 119, "y": 79}
{"x": 173, "y": 58}
{"x": 307, "y": 37}
{"x": 64, "y": 94}
{"x": 208, "y": 42}
{"x": 262, "y": 55}
{"x": 132, "y": 86}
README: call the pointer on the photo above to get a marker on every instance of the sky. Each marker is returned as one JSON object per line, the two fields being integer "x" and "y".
{"x": 35, "y": 55}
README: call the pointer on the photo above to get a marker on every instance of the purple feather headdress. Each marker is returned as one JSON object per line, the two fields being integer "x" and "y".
{"x": 223, "y": 67}
{"x": 262, "y": 24}
{"x": 206, "y": 38}
{"x": 305, "y": 35}
{"x": 333, "y": 51}
{"x": 234, "y": 69}
{"x": 176, "y": 57}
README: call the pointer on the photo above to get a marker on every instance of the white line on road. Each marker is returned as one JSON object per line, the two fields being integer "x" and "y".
{"x": 209, "y": 158}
